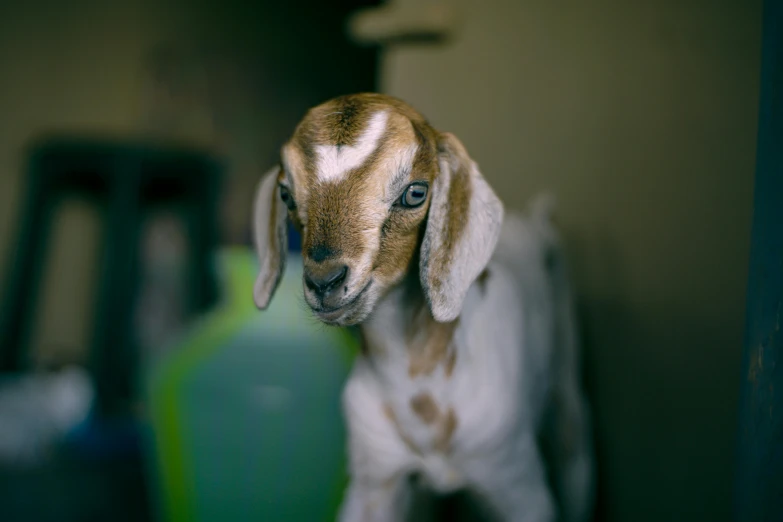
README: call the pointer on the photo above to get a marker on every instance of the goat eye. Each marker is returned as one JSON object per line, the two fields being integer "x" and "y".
{"x": 414, "y": 195}
{"x": 285, "y": 195}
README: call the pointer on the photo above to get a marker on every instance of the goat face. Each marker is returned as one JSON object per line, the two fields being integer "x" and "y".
{"x": 376, "y": 194}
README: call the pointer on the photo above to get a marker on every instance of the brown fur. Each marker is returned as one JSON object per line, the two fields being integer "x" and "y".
{"x": 428, "y": 342}
{"x": 331, "y": 216}
{"x": 447, "y": 428}
{"x": 451, "y": 361}
{"x": 335, "y": 217}
{"x": 459, "y": 203}
{"x": 423, "y": 405}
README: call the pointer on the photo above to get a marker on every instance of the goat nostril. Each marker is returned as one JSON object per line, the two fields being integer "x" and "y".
{"x": 320, "y": 284}
{"x": 337, "y": 277}
{"x": 310, "y": 283}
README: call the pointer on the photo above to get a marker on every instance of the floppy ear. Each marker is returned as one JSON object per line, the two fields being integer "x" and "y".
{"x": 270, "y": 236}
{"x": 463, "y": 226}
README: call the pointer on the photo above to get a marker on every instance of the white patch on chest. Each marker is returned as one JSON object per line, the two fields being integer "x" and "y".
{"x": 335, "y": 162}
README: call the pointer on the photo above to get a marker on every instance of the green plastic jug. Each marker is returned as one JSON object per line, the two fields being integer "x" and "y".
{"x": 245, "y": 420}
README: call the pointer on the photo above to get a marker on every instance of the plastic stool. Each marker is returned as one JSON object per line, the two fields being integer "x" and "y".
{"x": 124, "y": 180}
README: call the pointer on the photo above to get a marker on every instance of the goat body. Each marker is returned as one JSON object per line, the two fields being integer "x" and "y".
{"x": 469, "y": 373}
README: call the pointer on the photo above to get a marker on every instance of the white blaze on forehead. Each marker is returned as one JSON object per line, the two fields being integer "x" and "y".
{"x": 334, "y": 162}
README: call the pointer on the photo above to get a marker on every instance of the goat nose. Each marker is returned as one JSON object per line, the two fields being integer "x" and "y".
{"x": 321, "y": 283}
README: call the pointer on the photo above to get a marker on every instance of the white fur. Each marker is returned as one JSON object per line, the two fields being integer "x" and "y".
{"x": 335, "y": 162}
{"x": 516, "y": 345}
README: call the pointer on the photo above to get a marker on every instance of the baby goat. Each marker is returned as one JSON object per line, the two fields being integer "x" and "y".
{"x": 469, "y": 373}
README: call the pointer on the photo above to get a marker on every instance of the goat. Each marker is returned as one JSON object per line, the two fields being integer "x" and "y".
{"x": 469, "y": 369}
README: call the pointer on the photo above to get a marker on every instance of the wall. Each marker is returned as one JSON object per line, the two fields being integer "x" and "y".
{"x": 641, "y": 118}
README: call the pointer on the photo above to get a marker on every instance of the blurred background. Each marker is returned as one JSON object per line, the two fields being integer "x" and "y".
{"x": 137, "y": 381}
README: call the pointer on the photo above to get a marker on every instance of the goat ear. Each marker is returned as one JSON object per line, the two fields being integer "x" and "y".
{"x": 462, "y": 230}
{"x": 270, "y": 236}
